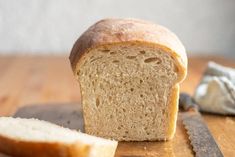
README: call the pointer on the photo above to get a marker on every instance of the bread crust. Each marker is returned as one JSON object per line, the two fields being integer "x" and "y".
{"x": 119, "y": 31}
{"x": 173, "y": 108}
{"x": 20, "y": 148}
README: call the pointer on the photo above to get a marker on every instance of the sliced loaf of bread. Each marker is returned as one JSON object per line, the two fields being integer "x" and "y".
{"x": 30, "y": 137}
{"x": 129, "y": 72}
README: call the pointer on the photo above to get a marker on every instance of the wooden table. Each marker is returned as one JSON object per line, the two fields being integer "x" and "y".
{"x": 30, "y": 80}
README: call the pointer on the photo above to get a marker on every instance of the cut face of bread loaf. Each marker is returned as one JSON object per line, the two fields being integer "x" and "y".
{"x": 129, "y": 71}
{"x": 31, "y": 137}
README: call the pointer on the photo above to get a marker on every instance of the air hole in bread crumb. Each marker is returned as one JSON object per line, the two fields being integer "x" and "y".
{"x": 111, "y": 116}
{"x": 78, "y": 72}
{"x": 142, "y": 52}
{"x": 132, "y": 89}
{"x": 97, "y": 102}
{"x": 145, "y": 114}
{"x": 119, "y": 128}
{"x": 126, "y": 132}
{"x": 115, "y": 61}
{"x": 124, "y": 136}
{"x": 153, "y": 59}
{"x": 105, "y": 50}
{"x": 163, "y": 111}
{"x": 163, "y": 77}
{"x": 130, "y": 57}
{"x": 148, "y": 133}
{"x": 112, "y": 53}
{"x": 141, "y": 81}
{"x": 151, "y": 88}
{"x": 145, "y": 128}
{"x": 141, "y": 95}
{"x": 124, "y": 110}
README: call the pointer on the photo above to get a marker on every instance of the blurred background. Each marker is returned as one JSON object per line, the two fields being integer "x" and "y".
{"x": 41, "y": 27}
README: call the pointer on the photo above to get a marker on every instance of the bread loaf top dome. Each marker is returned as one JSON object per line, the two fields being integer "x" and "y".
{"x": 117, "y": 31}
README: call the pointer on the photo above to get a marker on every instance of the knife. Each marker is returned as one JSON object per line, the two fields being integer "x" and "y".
{"x": 202, "y": 141}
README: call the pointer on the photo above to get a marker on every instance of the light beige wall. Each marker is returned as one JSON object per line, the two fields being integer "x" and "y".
{"x": 51, "y": 26}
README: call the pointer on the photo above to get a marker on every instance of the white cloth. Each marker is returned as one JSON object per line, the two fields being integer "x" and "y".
{"x": 216, "y": 91}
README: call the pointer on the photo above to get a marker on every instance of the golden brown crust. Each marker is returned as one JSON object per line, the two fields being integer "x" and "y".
{"x": 20, "y": 148}
{"x": 118, "y": 31}
{"x": 173, "y": 110}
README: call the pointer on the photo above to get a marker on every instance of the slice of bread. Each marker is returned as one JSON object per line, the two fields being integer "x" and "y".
{"x": 30, "y": 137}
{"x": 129, "y": 72}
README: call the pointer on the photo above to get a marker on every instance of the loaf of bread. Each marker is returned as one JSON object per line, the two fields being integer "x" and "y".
{"x": 129, "y": 72}
{"x": 35, "y": 138}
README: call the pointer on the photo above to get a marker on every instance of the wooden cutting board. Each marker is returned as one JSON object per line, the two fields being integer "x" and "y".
{"x": 49, "y": 80}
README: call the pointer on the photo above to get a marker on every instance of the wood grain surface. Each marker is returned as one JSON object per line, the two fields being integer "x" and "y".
{"x": 39, "y": 80}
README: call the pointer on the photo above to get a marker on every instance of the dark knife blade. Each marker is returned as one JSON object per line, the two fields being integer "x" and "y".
{"x": 202, "y": 141}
